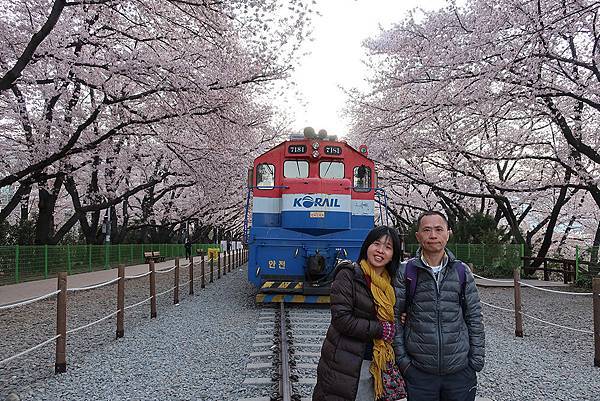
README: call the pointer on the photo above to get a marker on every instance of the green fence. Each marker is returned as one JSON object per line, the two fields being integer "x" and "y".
{"x": 32, "y": 262}
{"x": 493, "y": 260}
{"x": 588, "y": 261}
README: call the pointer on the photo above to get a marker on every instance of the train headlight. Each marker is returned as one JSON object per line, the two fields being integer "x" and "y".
{"x": 315, "y": 153}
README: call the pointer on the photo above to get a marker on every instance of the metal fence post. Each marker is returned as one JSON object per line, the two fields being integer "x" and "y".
{"x": 518, "y": 315}
{"x": 17, "y": 250}
{"x": 176, "y": 292}
{"x": 218, "y": 265}
{"x": 202, "y": 273}
{"x": 523, "y": 261}
{"x": 69, "y": 266}
{"x": 152, "y": 290}
{"x": 121, "y": 302}
{"x": 60, "y": 364}
{"x": 45, "y": 261}
{"x": 191, "y": 274}
{"x": 224, "y": 263}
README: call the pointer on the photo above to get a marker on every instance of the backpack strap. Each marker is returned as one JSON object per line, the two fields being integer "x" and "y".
{"x": 461, "y": 270}
{"x": 410, "y": 279}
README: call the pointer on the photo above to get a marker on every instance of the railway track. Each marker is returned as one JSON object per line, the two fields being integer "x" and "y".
{"x": 283, "y": 361}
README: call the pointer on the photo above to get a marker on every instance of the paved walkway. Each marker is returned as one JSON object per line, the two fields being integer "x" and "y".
{"x": 13, "y": 293}
{"x": 31, "y": 289}
{"x": 505, "y": 282}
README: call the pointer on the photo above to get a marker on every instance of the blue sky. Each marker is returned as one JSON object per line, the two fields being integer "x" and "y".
{"x": 335, "y": 58}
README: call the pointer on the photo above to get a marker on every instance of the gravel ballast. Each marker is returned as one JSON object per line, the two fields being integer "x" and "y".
{"x": 198, "y": 350}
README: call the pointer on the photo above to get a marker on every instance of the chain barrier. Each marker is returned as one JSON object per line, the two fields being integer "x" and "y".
{"x": 164, "y": 292}
{"x": 554, "y": 291}
{"x": 137, "y": 304}
{"x": 138, "y": 276}
{"x": 29, "y": 350}
{"x": 491, "y": 279}
{"x": 91, "y": 287}
{"x": 165, "y": 270}
{"x": 533, "y": 286}
{"x": 93, "y": 323}
{"x": 29, "y": 301}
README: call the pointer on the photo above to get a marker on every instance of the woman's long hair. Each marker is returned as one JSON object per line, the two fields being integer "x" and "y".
{"x": 374, "y": 235}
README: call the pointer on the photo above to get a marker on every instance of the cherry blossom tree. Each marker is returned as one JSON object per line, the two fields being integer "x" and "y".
{"x": 129, "y": 107}
{"x": 489, "y": 104}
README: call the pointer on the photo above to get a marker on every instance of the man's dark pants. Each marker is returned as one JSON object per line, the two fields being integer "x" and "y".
{"x": 423, "y": 386}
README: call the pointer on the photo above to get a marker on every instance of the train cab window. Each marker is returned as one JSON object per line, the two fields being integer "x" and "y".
{"x": 362, "y": 178}
{"x": 331, "y": 169}
{"x": 265, "y": 176}
{"x": 295, "y": 169}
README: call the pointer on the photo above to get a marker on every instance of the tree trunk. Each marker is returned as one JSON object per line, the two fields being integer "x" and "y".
{"x": 44, "y": 229}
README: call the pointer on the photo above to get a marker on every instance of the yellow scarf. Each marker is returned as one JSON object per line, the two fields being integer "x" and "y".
{"x": 385, "y": 298}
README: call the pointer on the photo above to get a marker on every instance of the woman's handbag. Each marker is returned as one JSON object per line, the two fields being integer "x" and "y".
{"x": 393, "y": 384}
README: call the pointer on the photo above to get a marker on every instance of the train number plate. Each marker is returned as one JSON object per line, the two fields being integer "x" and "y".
{"x": 317, "y": 215}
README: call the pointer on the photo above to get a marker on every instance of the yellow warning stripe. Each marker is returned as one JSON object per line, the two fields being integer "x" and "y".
{"x": 301, "y": 299}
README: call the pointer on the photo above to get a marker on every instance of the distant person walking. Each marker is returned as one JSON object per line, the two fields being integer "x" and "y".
{"x": 188, "y": 248}
{"x": 441, "y": 346}
{"x": 357, "y": 347}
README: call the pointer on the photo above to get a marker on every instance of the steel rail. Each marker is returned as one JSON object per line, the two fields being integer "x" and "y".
{"x": 285, "y": 384}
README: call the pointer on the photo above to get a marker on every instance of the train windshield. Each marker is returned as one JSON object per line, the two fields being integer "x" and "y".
{"x": 362, "y": 178}
{"x": 265, "y": 176}
{"x": 331, "y": 169}
{"x": 295, "y": 169}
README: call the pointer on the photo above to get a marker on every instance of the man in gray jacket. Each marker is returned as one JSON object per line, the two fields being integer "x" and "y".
{"x": 441, "y": 346}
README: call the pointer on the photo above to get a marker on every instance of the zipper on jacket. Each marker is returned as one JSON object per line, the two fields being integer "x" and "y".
{"x": 437, "y": 311}
{"x": 439, "y": 327}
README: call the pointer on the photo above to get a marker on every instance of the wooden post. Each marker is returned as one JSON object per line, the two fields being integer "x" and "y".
{"x": 191, "y": 274}
{"x": 121, "y": 302}
{"x": 518, "y": 315}
{"x": 218, "y": 266}
{"x": 596, "y": 295}
{"x": 202, "y": 273}
{"x": 212, "y": 268}
{"x": 176, "y": 292}
{"x": 152, "y": 290}
{"x": 60, "y": 365}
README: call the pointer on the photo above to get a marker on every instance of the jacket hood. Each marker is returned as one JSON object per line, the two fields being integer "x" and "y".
{"x": 350, "y": 265}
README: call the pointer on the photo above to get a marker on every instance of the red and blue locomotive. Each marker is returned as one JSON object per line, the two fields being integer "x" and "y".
{"x": 313, "y": 203}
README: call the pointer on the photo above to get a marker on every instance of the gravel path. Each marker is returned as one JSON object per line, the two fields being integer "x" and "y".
{"x": 199, "y": 349}
{"x": 194, "y": 351}
{"x": 548, "y": 363}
